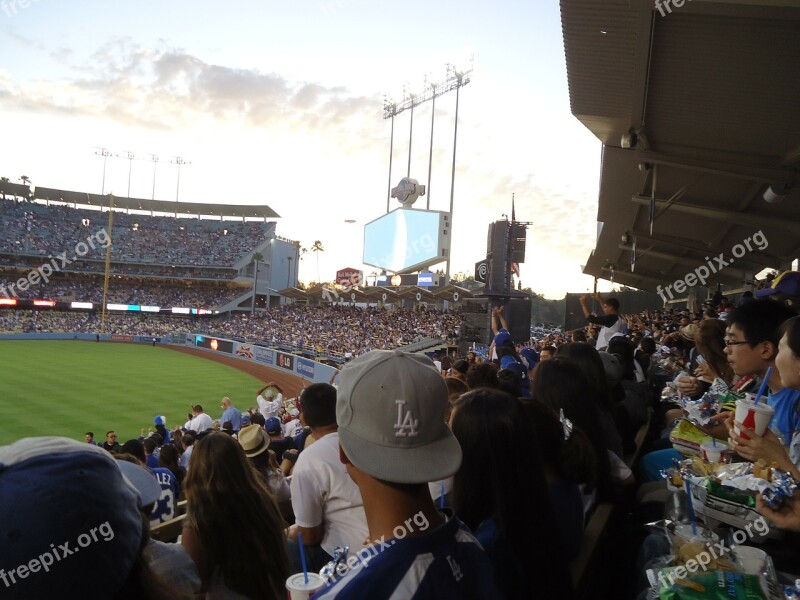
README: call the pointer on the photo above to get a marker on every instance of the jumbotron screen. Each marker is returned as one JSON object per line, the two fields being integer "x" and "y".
{"x": 407, "y": 240}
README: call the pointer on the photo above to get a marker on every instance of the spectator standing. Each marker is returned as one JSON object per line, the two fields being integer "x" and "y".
{"x": 230, "y": 414}
{"x": 200, "y": 420}
{"x": 269, "y": 404}
{"x": 611, "y": 321}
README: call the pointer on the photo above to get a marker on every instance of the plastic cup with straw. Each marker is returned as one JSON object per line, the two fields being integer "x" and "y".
{"x": 690, "y": 508}
{"x": 749, "y": 420}
{"x": 302, "y": 586}
{"x": 302, "y": 556}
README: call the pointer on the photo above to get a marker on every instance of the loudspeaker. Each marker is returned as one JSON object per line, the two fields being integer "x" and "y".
{"x": 519, "y": 235}
{"x": 474, "y": 328}
{"x": 498, "y": 279}
{"x": 518, "y": 317}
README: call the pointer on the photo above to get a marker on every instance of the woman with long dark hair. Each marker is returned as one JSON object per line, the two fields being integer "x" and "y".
{"x": 601, "y": 393}
{"x": 168, "y": 459}
{"x": 560, "y": 384}
{"x": 710, "y": 343}
{"x": 500, "y": 492}
{"x": 233, "y": 531}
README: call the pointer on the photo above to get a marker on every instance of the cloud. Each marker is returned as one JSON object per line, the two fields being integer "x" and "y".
{"x": 167, "y": 88}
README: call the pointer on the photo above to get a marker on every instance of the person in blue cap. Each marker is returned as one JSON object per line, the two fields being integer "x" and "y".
{"x": 161, "y": 428}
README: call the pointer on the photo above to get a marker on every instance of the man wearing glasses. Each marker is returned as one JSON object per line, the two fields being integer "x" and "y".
{"x": 111, "y": 443}
{"x": 751, "y": 343}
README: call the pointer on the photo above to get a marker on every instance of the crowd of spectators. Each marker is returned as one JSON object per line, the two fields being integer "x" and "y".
{"x": 128, "y": 291}
{"x": 512, "y": 457}
{"x": 25, "y": 263}
{"x": 32, "y": 228}
{"x": 338, "y": 331}
{"x": 343, "y": 331}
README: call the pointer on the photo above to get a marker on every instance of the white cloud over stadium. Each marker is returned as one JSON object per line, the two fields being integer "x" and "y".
{"x": 281, "y": 106}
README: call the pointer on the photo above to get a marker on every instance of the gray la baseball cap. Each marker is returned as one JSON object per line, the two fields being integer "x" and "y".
{"x": 390, "y": 409}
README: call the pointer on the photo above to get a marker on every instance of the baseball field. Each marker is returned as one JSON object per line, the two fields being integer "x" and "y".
{"x": 69, "y": 387}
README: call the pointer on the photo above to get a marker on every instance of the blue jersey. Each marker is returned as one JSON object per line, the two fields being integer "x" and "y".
{"x": 164, "y": 510}
{"x": 447, "y": 562}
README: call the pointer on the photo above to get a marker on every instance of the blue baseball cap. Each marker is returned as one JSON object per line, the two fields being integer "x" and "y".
{"x": 273, "y": 425}
{"x": 502, "y": 337}
{"x": 529, "y": 356}
{"x": 160, "y": 420}
{"x": 68, "y": 519}
{"x": 521, "y": 374}
{"x": 787, "y": 283}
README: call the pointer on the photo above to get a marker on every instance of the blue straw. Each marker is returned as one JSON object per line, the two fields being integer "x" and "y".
{"x": 302, "y": 555}
{"x": 690, "y": 507}
{"x": 714, "y": 442}
{"x": 763, "y": 385}
{"x": 441, "y": 498}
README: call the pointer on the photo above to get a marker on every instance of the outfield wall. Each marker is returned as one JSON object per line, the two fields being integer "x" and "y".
{"x": 87, "y": 337}
{"x": 300, "y": 366}
{"x": 281, "y": 361}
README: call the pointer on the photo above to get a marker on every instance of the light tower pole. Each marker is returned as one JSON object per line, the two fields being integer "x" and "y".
{"x": 155, "y": 159}
{"x": 454, "y": 80}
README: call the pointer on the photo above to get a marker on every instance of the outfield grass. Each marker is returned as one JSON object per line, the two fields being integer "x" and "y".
{"x": 68, "y": 388}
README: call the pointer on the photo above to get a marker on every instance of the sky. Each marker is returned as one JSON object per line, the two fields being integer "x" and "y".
{"x": 281, "y": 104}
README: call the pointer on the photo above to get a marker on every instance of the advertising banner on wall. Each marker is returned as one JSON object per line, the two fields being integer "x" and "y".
{"x": 349, "y": 276}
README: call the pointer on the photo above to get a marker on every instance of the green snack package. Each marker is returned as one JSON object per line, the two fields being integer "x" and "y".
{"x": 709, "y": 585}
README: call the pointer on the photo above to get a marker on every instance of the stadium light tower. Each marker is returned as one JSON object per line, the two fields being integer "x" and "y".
{"x": 105, "y": 153}
{"x": 130, "y": 169}
{"x": 455, "y": 79}
{"x": 155, "y": 159}
{"x": 179, "y": 161}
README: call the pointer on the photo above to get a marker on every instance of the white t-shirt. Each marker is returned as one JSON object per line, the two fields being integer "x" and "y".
{"x": 269, "y": 407}
{"x": 323, "y": 493}
{"x": 200, "y": 423}
{"x": 292, "y": 428}
{"x": 606, "y": 333}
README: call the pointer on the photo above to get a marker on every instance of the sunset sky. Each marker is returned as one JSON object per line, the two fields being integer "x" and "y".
{"x": 280, "y": 103}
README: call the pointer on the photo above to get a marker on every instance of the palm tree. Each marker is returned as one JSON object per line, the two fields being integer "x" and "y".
{"x": 317, "y": 247}
{"x": 257, "y": 257}
{"x": 25, "y": 180}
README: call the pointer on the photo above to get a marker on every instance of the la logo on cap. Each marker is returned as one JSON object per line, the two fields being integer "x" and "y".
{"x": 406, "y": 425}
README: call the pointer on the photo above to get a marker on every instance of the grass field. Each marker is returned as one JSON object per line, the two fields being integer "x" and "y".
{"x": 68, "y": 388}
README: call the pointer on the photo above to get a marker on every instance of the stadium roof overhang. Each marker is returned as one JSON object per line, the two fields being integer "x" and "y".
{"x": 447, "y": 292}
{"x": 158, "y": 206}
{"x": 711, "y": 92}
{"x": 294, "y": 293}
